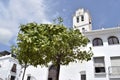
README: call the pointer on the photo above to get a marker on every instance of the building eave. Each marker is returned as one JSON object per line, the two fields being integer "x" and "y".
{"x": 102, "y": 31}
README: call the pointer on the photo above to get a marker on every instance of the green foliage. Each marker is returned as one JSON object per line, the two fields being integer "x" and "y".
{"x": 39, "y": 44}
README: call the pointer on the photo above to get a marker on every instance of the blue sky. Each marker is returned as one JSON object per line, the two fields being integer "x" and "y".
{"x": 104, "y": 13}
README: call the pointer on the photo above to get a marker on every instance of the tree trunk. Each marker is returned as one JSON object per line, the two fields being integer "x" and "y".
{"x": 24, "y": 71}
{"x": 58, "y": 72}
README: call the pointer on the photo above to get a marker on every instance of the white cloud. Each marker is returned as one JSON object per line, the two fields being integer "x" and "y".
{"x": 17, "y": 12}
{"x": 5, "y": 35}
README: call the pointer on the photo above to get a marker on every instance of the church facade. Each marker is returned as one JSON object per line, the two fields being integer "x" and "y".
{"x": 105, "y": 63}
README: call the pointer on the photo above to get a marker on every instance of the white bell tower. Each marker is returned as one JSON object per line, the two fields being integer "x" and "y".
{"x": 82, "y": 20}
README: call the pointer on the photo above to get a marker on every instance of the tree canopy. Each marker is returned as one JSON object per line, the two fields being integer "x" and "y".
{"x": 40, "y": 44}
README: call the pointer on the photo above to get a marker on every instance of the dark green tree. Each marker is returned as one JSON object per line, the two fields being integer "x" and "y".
{"x": 40, "y": 44}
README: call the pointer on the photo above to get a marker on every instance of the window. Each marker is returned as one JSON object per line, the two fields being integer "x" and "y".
{"x": 114, "y": 69}
{"x": 99, "y": 69}
{"x": 83, "y": 77}
{"x": 115, "y": 61}
{"x": 99, "y": 64}
{"x": 97, "y": 42}
{"x": 82, "y": 18}
{"x": 83, "y": 29}
{"x": 49, "y": 78}
{"x": 29, "y": 77}
{"x": 113, "y": 40}
{"x": 12, "y": 78}
{"x": 14, "y": 68}
{"x": 77, "y": 19}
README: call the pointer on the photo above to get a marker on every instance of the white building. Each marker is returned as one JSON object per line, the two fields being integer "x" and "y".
{"x": 9, "y": 67}
{"x": 104, "y": 65}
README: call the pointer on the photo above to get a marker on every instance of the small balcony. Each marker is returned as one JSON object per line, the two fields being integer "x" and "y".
{"x": 114, "y": 71}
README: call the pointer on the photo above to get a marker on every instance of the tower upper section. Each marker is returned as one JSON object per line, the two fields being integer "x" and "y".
{"x": 82, "y": 20}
